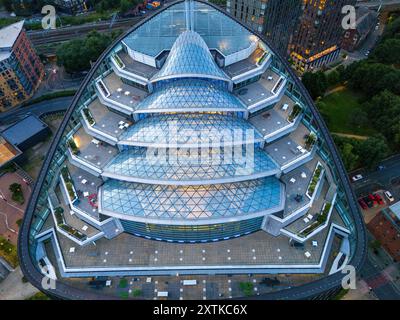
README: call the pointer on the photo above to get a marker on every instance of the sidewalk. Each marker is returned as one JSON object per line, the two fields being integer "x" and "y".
{"x": 12, "y": 287}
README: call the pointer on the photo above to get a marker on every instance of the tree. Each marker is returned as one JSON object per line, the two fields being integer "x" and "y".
{"x": 384, "y": 112}
{"x": 333, "y": 78}
{"x": 125, "y": 6}
{"x": 315, "y": 83}
{"x": 348, "y": 148}
{"x": 388, "y": 51}
{"x": 358, "y": 118}
{"x": 372, "y": 151}
{"x": 17, "y": 194}
{"x": 350, "y": 158}
{"x": 367, "y": 77}
{"x": 77, "y": 54}
{"x": 7, "y": 4}
{"x": 392, "y": 30}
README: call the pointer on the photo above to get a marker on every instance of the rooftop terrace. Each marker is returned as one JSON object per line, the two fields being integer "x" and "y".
{"x": 297, "y": 182}
{"x": 262, "y": 89}
{"x": 93, "y": 151}
{"x": 72, "y": 220}
{"x": 136, "y": 67}
{"x": 255, "y": 249}
{"x": 245, "y": 65}
{"x": 285, "y": 150}
{"x": 120, "y": 93}
{"x": 86, "y": 185}
{"x": 275, "y": 119}
{"x": 106, "y": 120}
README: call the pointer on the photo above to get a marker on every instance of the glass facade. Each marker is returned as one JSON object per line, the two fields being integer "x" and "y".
{"x": 190, "y": 95}
{"x": 199, "y": 233}
{"x": 191, "y": 202}
{"x": 180, "y": 171}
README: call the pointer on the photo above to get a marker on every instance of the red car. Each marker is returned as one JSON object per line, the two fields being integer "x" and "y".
{"x": 371, "y": 197}
{"x": 363, "y": 204}
{"x": 379, "y": 199}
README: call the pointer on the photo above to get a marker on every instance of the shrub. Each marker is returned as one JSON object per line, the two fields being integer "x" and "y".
{"x": 123, "y": 283}
{"x": 246, "y": 288}
{"x": 89, "y": 116}
{"x": 73, "y": 146}
{"x": 137, "y": 293}
{"x": 295, "y": 112}
{"x": 17, "y": 194}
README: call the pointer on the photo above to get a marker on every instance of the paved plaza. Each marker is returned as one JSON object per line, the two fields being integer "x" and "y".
{"x": 127, "y": 250}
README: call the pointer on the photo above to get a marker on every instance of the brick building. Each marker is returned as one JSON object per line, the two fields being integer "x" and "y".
{"x": 20, "y": 68}
{"x": 386, "y": 229}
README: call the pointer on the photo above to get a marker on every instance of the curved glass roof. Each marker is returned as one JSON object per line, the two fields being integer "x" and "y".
{"x": 190, "y": 130}
{"x": 190, "y": 95}
{"x": 190, "y": 202}
{"x": 187, "y": 166}
{"x": 218, "y": 30}
{"x": 189, "y": 57}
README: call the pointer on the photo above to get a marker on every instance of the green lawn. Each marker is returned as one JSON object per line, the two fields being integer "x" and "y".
{"x": 9, "y": 252}
{"x": 338, "y": 107}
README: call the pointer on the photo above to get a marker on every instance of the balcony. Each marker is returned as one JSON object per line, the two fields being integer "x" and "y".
{"x": 102, "y": 123}
{"x": 68, "y": 224}
{"x": 297, "y": 203}
{"x": 85, "y": 188}
{"x": 316, "y": 219}
{"x": 293, "y": 150}
{"x": 278, "y": 121}
{"x": 124, "y": 66}
{"x": 88, "y": 153}
{"x": 266, "y": 91}
{"x": 257, "y": 63}
{"x": 117, "y": 95}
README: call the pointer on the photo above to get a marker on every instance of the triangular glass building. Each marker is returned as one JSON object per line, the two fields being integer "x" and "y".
{"x": 191, "y": 148}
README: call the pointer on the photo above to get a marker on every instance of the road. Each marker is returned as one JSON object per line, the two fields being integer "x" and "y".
{"x": 38, "y": 109}
{"x": 383, "y": 179}
{"x": 381, "y": 286}
{"x": 366, "y": 46}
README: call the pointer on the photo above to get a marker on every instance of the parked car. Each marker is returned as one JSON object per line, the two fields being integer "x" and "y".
{"x": 389, "y": 196}
{"x": 369, "y": 202}
{"x": 374, "y": 201}
{"x": 380, "y": 168}
{"x": 357, "y": 177}
{"x": 362, "y": 204}
{"x": 379, "y": 199}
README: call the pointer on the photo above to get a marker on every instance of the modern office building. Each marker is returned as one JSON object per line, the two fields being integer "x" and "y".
{"x": 189, "y": 136}
{"x": 20, "y": 68}
{"x": 309, "y": 32}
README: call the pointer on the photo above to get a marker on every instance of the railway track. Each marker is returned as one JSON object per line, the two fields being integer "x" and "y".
{"x": 42, "y": 37}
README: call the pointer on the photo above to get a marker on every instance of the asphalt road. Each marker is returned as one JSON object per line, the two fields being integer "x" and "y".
{"x": 380, "y": 285}
{"x": 383, "y": 179}
{"x": 38, "y": 109}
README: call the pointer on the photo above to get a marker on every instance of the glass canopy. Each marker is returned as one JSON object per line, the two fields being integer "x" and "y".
{"x": 190, "y": 95}
{"x": 189, "y": 57}
{"x": 191, "y": 202}
{"x": 190, "y": 129}
{"x": 218, "y": 30}
{"x": 185, "y": 166}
